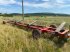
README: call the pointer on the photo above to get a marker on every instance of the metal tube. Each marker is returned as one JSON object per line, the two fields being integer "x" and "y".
{"x": 60, "y": 26}
{"x": 22, "y": 10}
{"x": 32, "y": 22}
{"x": 69, "y": 28}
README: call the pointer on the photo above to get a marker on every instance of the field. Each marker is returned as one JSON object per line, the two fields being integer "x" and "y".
{"x": 13, "y": 39}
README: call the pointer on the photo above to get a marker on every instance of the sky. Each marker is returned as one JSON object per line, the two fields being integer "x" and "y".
{"x": 35, "y": 6}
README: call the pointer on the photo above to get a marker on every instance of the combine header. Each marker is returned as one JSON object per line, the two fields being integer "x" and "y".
{"x": 37, "y": 30}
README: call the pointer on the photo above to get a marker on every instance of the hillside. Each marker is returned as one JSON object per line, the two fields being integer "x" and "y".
{"x": 13, "y": 39}
{"x": 46, "y": 14}
{"x": 34, "y": 14}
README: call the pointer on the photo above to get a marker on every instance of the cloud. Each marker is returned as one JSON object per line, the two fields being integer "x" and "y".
{"x": 9, "y": 2}
{"x": 18, "y": 3}
{"x": 45, "y": 0}
{"x": 50, "y": 4}
{"x": 42, "y": 5}
{"x": 59, "y": 1}
{"x": 3, "y": 10}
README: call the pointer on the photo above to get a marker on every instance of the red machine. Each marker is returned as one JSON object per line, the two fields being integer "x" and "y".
{"x": 38, "y": 30}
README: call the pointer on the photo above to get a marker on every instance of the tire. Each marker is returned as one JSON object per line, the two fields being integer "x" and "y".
{"x": 4, "y": 22}
{"x": 36, "y": 33}
{"x": 53, "y": 26}
{"x": 66, "y": 37}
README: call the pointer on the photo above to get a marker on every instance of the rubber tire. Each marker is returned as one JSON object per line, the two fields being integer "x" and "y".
{"x": 36, "y": 33}
{"x": 4, "y": 22}
{"x": 53, "y": 26}
{"x": 66, "y": 37}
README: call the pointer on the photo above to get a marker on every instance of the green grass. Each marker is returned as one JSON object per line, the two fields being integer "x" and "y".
{"x": 13, "y": 39}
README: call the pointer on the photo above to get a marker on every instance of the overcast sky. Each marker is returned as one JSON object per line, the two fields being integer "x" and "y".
{"x": 35, "y": 6}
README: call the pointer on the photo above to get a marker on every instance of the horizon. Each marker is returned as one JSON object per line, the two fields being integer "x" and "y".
{"x": 36, "y": 13}
{"x": 35, "y": 6}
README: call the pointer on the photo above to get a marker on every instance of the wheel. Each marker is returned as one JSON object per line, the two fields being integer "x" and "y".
{"x": 62, "y": 40}
{"x": 36, "y": 33}
{"x": 4, "y": 22}
{"x": 53, "y": 26}
{"x": 66, "y": 37}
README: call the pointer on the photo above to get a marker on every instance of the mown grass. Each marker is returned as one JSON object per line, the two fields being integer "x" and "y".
{"x": 13, "y": 39}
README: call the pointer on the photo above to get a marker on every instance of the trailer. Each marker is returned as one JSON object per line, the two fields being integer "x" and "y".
{"x": 37, "y": 30}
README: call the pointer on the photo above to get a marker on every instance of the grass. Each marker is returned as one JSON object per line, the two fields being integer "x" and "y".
{"x": 13, "y": 39}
